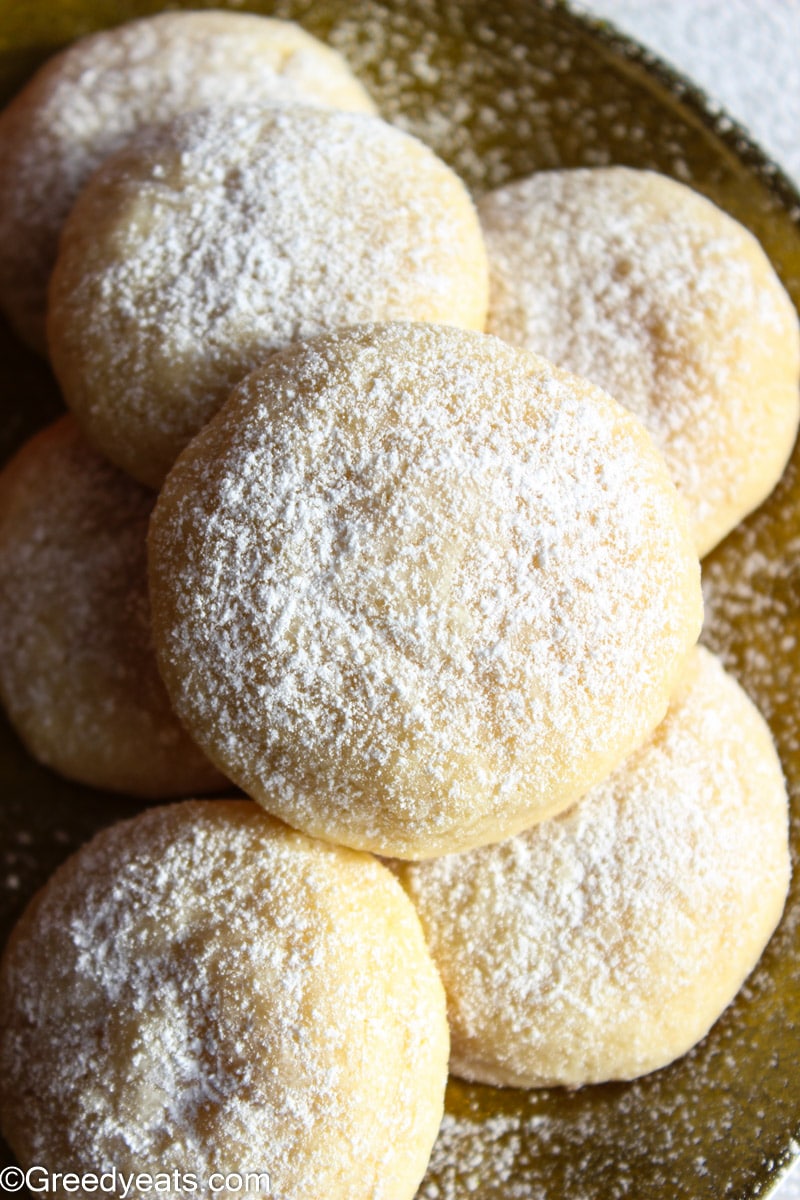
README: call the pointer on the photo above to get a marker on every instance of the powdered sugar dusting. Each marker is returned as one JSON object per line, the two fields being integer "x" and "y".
{"x": 603, "y": 943}
{"x": 545, "y": 1144}
{"x": 78, "y": 673}
{"x": 753, "y": 619}
{"x": 89, "y": 101}
{"x": 201, "y": 989}
{"x": 510, "y": 89}
{"x": 641, "y": 285}
{"x": 404, "y": 565}
{"x": 435, "y": 69}
{"x": 228, "y": 233}
{"x": 471, "y": 1156}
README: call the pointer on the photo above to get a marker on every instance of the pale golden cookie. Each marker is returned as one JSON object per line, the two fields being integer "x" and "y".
{"x": 640, "y": 284}
{"x": 209, "y": 242}
{"x": 202, "y": 990}
{"x": 603, "y": 944}
{"x": 415, "y": 590}
{"x": 90, "y": 99}
{"x": 78, "y": 676}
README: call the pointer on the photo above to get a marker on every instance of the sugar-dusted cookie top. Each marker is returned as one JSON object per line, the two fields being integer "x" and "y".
{"x": 604, "y": 943}
{"x": 91, "y": 98}
{"x": 640, "y": 284}
{"x": 78, "y": 675}
{"x": 210, "y": 241}
{"x": 201, "y": 992}
{"x": 415, "y": 590}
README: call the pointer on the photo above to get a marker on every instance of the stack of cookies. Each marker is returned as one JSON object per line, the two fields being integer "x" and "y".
{"x": 387, "y": 512}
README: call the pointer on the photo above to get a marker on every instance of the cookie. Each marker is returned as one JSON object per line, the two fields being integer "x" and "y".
{"x": 87, "y": 101}
{"x": 604, "y": 943}
{"x": 78, "y": 675}
{"x": 211, "y": 241}
{"x": 415, "y": 590}
{"x": 642, "y": 285}
{"x": 202, "y": 993}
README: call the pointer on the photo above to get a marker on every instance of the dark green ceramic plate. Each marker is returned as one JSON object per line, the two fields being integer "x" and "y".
{"x": 500, "y": 91}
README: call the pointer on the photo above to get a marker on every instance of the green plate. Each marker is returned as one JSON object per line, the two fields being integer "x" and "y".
{"x": 500, "y": 91}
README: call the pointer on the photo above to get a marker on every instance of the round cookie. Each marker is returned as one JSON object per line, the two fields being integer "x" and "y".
{"x": 90, "y": 99}
{"x": 604, "y": 943}
{"x": 207, "y": 243}
{"x": 415, "y": 590}
{"x": 78, "y": 675}
{"x": 638, "y": 283}
{"x": 202, "y": 991}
